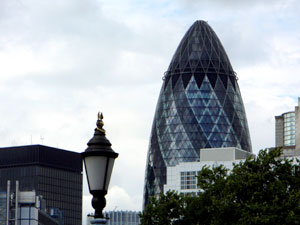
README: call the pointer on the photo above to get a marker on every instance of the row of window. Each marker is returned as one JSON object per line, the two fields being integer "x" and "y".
{"x": 290, "y": 126}
{"x": 289, "y": 115}
{"x": 188, "y": 180}
{"x": 289, "y": 137}
{"x": 59, "y": 174}
{"x": 60, "y": 183}
{"x": 289, "y": 142}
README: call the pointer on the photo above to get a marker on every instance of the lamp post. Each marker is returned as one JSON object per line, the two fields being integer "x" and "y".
{"x": 99, "y": 161}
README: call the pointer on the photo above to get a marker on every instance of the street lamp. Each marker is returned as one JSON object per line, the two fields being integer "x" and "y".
{"x": 99, "y": 161}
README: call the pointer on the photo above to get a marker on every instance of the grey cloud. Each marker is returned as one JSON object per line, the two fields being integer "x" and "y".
{"x": 245, "y": 43}
{"x": 87, "y": 41}
{"x": 38, "y": 22}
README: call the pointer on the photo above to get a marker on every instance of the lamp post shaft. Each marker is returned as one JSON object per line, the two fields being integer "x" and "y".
{"x": 98, "y": 203}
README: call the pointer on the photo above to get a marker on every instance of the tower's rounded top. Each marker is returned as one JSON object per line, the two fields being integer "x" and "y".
{"x": 200, "y": 49}
{"x": 199, "y": 21}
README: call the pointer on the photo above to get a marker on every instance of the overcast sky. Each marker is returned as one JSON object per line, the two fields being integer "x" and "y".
{"x": 63, "y": 61}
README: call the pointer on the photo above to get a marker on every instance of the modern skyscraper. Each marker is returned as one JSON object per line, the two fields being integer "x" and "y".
{"x": 53, "y": 173}
{"x": 200, "y": 106}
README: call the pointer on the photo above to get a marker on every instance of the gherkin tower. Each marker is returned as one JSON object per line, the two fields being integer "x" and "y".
{"x": 199, "y": 106}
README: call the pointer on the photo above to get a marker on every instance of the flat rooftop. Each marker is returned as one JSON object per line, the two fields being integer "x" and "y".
{"x": 28, "y": 155}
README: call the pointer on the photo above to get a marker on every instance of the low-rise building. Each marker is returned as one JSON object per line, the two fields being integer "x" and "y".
{"x": 183, "y": 177}
{"x": 119, "y": 217}
{"x": 25, "y": 208}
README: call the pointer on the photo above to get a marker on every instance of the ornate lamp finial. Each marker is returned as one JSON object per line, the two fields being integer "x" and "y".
{"x": 100, "y": 123}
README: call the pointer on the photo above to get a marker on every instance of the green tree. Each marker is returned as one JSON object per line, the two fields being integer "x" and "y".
{"x": 261, "y": 190}
{"x": 164, "y": 210}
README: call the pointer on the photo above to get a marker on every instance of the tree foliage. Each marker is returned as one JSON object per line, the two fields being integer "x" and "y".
{"x": 261, "y": 190}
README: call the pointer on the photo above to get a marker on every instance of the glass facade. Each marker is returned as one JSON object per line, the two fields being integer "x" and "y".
{"x": 200, "y": 106}
{"x": 289, "y": 129}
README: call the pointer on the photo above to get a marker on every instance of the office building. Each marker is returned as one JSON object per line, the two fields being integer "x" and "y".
{"x": 287, "y": 132}
{"x": 53, "y": 173}
{"x": 199, "y": 106}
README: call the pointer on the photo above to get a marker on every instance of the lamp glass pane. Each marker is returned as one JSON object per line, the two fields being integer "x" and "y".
{"x": 109, "y": 171}
{"x": 95, "y": 169}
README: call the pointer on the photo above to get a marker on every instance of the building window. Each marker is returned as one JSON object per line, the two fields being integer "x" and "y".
{"x": 289, "y": 129}
{"x": 188, "y": 180}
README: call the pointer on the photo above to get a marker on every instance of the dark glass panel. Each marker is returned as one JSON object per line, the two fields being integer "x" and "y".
{"x": 199, "y": 78}
{"x": 167, "y": 78}
{"x": 232, "y": 79}
{"x": 185, "y": 79}
{"x": 224, "y": 79}
{"x": 212, "y": 79}
{"x": 174, "y": 79}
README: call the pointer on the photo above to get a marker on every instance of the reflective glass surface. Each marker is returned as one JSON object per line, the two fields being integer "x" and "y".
{"x": 199, "y": 106}
{"x": 289, "y": 129}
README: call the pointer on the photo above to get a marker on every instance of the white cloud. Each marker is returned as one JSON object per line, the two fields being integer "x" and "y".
{"x": 118, "y": 199}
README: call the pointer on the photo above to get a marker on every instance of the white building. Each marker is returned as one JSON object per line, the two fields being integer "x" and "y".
{"x": 182, "y": 177}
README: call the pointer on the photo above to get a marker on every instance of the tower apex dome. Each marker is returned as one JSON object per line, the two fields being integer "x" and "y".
{"x": 200, "y": 50}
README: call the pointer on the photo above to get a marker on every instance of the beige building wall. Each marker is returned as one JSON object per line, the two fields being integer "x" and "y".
{"x": 297, "y": 129}
{"x": 279, "y": 131}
